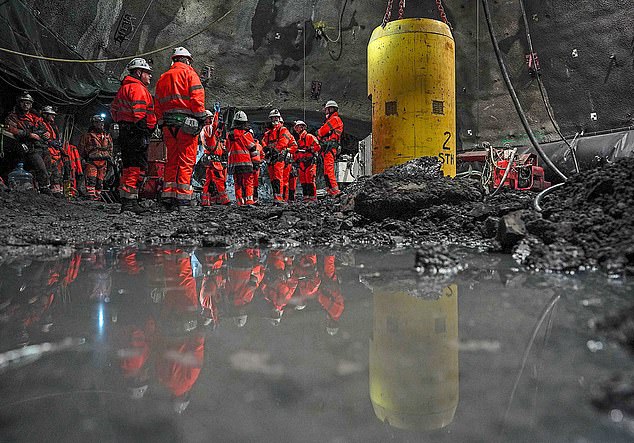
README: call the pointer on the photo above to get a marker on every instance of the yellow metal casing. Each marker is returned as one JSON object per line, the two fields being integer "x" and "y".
{"x": 414, "y": 359}
{"x": 412, "y": 84}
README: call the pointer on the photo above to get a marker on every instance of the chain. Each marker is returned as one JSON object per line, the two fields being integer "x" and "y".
{"x": 441, "y": 11}
{"x": 388, "y": 13}
{"x": 401, "y": 9}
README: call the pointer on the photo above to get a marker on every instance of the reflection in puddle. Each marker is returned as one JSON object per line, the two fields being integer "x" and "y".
{"x": 108, "y": 343}
{"x": 414, "y": 359}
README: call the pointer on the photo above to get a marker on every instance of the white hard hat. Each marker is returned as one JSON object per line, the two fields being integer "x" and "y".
{"x": 300, "y": 122}
{"x": 331, "y": 104}
{"x": 240, "y": 116}
{"x": 138, "y": 63}
{"x": 208, "y": 113}
{"x": 181, "y": 52}
{"x": 25, "y": 96}
{"x": 275, "y": 113}
{"x": 97, "y": 118}
{"x": 138, "y": 392}
{"x": 48, "y": 110}
{"x": 241, "y": 320}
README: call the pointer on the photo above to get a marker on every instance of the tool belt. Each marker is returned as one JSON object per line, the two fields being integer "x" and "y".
{"x": 331, "y": 145}
{"x": 272, "y": 155}
{"x": 215, "y": 158}
{"x": 307, "y": 161}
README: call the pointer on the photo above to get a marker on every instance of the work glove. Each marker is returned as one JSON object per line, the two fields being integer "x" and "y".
{"x": 217, "y": 107}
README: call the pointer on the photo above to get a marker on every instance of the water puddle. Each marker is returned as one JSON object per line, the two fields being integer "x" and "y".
{"x": 169, "y": 344}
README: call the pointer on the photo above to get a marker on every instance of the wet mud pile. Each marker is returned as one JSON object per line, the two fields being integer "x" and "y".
{"x": 586, "y": 224}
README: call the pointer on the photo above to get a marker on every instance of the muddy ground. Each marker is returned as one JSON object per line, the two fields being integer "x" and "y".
{"x": 588, "y": 224}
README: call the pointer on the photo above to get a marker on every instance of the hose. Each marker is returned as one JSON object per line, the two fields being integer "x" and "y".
{"x": 516, "y": 102}
{"x": 506, "y": 172}
{"x": 544, "y": 193}
{"x": 542, "y": 91}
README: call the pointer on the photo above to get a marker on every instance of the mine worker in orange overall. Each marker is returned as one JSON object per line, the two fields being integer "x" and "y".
{"x": 330, "y": 140}
{"x": 31, "y": 134}
{"x": 180, "y": 109}
{"x": 96, "y": 148}
{"x": 214, "y": 191}
{"x": 133, "y": 110}
{"x": 306, "y": 158}
{"x": 257, "y": 157}
{"x": 240, "y": 145}
{"x": 55, "y": 150}
{"x": 277, "y": 143}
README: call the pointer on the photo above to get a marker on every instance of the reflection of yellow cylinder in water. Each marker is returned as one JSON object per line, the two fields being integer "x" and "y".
{"x": 414, "y": 360}
{"x": 411, "y": 80}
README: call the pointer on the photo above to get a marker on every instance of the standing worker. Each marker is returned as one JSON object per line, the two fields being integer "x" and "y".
{"x": 240, "y": 145}
{"x": 31, "y": 134}
{"x": 214, "y": 191}
{"x": 257, "y": 157}
{"x": 180, "y": 108}
{"x": 277, "y": 142}
{"x": 133, "y": 109}
{"x": 307, "y": 150}
{"x": 330, "y": 140}
{"x": 55, "y": 150}
{"x": 96, "y": 148}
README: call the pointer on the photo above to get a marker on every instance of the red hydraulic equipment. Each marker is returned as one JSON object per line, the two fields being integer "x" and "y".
{"x": 525, "y": 174}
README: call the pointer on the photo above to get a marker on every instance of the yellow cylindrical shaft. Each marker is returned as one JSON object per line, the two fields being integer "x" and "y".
{"x": 411, "y": 81}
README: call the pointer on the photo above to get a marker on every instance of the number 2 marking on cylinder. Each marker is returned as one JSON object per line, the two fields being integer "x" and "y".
{"x": 444, "y": 145}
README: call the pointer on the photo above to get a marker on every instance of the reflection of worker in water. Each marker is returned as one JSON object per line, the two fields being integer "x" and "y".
{"x": 414, "y": 359}
{"x": 180, "y": 362}
{"x": 212, "y": 285}
{"x": 330, "y": 297}
{"x": 244, "y": 274}
{"x": 278, "y": 284}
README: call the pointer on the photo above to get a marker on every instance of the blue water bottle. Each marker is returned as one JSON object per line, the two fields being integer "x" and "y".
{"x": 21, "y": 180}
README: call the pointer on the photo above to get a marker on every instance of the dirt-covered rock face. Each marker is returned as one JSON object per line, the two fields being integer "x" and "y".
{"x": 588, "y": 223}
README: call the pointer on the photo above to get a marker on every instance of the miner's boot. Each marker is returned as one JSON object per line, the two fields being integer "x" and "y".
{"x": 132, "y": 205}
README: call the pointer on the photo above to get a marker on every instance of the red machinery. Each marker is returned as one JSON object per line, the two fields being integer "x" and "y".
{"x": 525, "y": 174}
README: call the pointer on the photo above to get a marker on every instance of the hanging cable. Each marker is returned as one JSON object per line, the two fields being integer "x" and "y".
{"x": 118, "y": 59}
{"x": 542, "y": 89}
{"x": 516, "y": 102}
{"x": 323, "y": 31}
{"x": 401, "y": 9}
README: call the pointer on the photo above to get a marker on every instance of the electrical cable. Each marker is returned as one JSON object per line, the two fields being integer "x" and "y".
{"x": 544, "y": 193}
{"x": 516, "y": 103}
{"x": 118, "y": 59}
{"x": 542, "y": 89}
{"x": 339, "y": 39}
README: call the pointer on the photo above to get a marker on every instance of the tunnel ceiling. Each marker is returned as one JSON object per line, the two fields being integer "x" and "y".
{"x": 273, "y": 53}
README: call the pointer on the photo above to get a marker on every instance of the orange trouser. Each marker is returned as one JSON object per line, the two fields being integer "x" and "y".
{"x": 128, "y": 188}
{"x": 215, "y": 190}
{"x": 181, "y": 158}
{"x": 329, "y": 173}
{"x": 243, "y": 182}
{"x": 276, "y": 175}
{"x": 256, "y": 182}
{"x": 307, "y": 175}
{"x": 95, "y": 173}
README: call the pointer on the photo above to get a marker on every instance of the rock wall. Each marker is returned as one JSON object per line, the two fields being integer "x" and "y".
{"x": 268, "y": 53}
